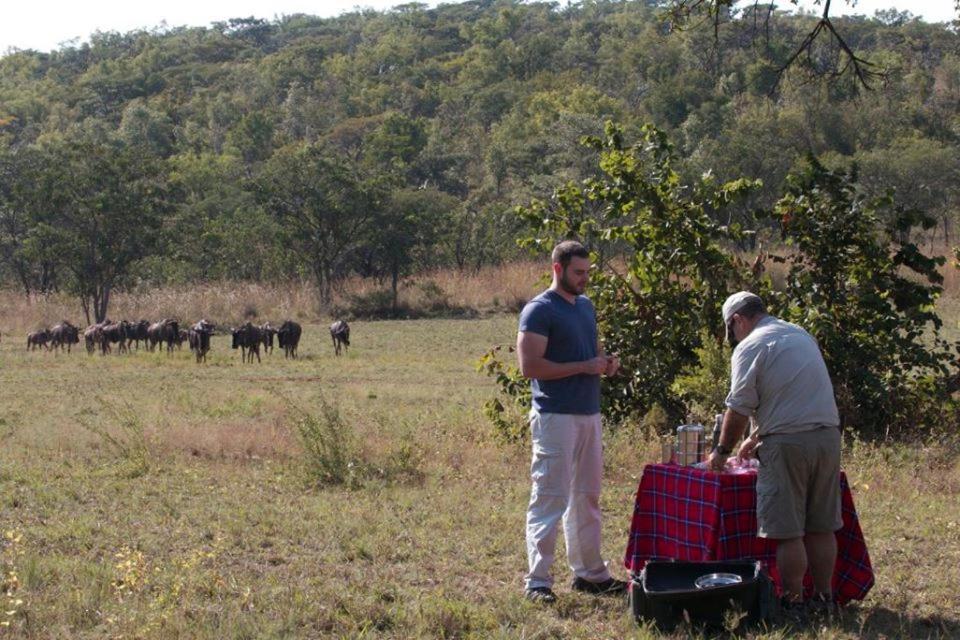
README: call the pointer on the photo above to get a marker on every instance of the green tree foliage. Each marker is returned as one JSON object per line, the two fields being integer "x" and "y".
{"x": 324, "y": 207}
{"x": 868, "y": 295}
{"x": 662, "y": 272}
{"x": 484, "y": 102}
{"x": 105, "y": 216}
{"x": 406, "y": 232}
{"x": 27, "y": 256}
{"x": 663, "y": 267}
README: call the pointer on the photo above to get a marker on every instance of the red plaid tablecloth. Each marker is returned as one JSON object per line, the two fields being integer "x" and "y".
{"x": 687, "y": 514}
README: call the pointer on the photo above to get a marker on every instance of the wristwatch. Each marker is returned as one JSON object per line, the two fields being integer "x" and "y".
{"x": 722, "y": 450}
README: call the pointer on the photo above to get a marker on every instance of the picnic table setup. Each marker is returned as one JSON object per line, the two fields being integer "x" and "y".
{"x": 687, "y": 514}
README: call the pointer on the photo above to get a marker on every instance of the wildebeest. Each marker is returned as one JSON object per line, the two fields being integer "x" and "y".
{"x": 267, "y": 331}
{"x": 182, "y": 337}
{"x": 288, "y": 337}
{"x": 137, "y": 332}
{"x": 340, "y": 334}
{"x": 91, "y": 336}
{"x": 64, "y": 335}
{"x": 199, "y": 339}
{"x": 165, "y": 331}
{"x": 38, "y": 339}
{"x": 113, "y": 333}
{"x": 248, "y": 338}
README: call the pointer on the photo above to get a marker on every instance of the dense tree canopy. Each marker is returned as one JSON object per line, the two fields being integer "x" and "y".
{"x": 442, "y": 119}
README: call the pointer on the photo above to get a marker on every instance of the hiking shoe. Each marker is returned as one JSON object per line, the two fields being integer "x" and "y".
{"x": 794, "y": 613}
{"x": 609, "y": 587}
{"x": 540, "y": 595}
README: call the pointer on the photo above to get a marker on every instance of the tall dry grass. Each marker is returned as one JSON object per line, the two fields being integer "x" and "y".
{"x": 492, "y": 289}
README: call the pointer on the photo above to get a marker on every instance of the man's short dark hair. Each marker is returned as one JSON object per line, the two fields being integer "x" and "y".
{"x": 567, "y": 250}
{"x": 752, "y": 308}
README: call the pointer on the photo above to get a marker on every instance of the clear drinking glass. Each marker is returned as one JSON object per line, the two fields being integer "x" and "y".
{"x": 667, "y": 454}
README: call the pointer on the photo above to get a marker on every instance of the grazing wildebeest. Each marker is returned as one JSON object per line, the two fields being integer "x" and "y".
{"x": 181, "y": 338}
{"x": 340, "y": 334}
{"x": 165, "y": 331}
{"x": 288, "y": 337}
{"x": 64, "y": 335}
{"x": 267, "y": 331}
{"x": 137, "y": 332}
{"x": 248, "y": 339}
{"x": 38, "y": 339}
{"x": 91, "y": 336}
{"x": 199, "y": 339}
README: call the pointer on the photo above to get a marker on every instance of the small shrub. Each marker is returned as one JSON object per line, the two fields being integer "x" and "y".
{"x": 656, "y": 420}
{"x": 374, "y": 304}
{"x": 403, "y": 464}
{"x": 704, "y": 386}
{"x": 508, "y": 420}
{"x": 328, "y": 448}
{"x": 128, "y": 442}
{"x": 332, "y": 455}
{"x": 433, "y": 298}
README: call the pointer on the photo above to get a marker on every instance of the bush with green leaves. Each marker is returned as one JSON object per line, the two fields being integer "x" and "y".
{"x": 664, "y": 267}
{"x": 868, "y": 295}
{"x": 661, "y": 269}
{"x": 703, "y": 387}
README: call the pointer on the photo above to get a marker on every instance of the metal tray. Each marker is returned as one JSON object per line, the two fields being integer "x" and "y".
{"x": 717, "y": 580}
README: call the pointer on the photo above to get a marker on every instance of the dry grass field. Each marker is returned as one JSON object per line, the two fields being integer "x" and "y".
{"x": 144, "y": 496}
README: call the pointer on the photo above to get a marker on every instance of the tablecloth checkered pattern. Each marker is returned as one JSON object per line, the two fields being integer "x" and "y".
{"x": 692, "y": 515}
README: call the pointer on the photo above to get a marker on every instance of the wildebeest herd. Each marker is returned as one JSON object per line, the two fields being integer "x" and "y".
{"x": 167, "y": 334}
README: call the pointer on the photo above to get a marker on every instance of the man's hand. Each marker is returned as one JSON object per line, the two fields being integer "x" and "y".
{"x": 748, "y": 449}
{"x": 717, "y": 461}
{"x": 595, "y": 366}
{"x": 613, "y": 365}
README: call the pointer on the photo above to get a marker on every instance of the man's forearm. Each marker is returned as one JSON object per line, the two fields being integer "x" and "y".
{"x": 734, "y": 426}
{"x": 543, "y": 369}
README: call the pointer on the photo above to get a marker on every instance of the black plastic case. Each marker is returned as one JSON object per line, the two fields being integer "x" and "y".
{"x": 665, "y": 593}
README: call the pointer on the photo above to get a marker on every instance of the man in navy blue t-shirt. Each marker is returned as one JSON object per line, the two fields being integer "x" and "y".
{"x": 558, "y": 348}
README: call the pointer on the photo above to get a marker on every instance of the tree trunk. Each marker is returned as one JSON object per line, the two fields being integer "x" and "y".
{"x": 101, "y": 310}
{"x": 86, "y": 308}
{"x": 394, "y": 280}
{"x": 24, "y": 278}
{"x": 322, "y": 273}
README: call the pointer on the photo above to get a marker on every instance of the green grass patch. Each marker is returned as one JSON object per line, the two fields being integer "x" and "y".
{"x": 234, "y": 529}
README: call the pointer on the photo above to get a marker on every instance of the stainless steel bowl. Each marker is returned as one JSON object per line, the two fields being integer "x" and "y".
{"x": 717, "y": 580}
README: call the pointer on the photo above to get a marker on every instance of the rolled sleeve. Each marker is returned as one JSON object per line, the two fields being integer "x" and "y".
{"x": 745, "y": 363}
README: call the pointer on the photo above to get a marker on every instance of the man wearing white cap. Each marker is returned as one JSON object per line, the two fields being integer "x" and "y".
{"x": 778, "y": 377}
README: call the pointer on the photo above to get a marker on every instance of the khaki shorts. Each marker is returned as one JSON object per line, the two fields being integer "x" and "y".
{"x": 798, "y": 485}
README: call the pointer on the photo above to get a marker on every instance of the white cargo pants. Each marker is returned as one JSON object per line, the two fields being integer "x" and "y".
{"x": 566, "y": 471}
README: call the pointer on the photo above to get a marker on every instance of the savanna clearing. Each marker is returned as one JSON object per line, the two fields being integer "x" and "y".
{"x": 144, "y": 496}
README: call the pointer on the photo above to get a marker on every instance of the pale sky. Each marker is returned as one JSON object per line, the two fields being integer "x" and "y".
{"x": 45, "y": 24}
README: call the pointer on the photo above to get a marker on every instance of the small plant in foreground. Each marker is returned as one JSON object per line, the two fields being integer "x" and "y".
{"x": 129, "y": 443}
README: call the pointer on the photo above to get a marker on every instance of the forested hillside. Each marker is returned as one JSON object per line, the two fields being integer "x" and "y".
{"x": 377, "y": 144}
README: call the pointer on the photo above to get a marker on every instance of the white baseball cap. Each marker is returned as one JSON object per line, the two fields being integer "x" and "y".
{"x": 736, "y": 302}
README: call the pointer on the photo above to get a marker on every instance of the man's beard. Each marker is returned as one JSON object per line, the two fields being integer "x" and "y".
{"x": 731, "y": 337}
{"x": 569, "y": 287}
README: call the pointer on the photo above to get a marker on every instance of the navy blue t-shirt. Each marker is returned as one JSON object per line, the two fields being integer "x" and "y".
{"x": 571, "y": 332}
